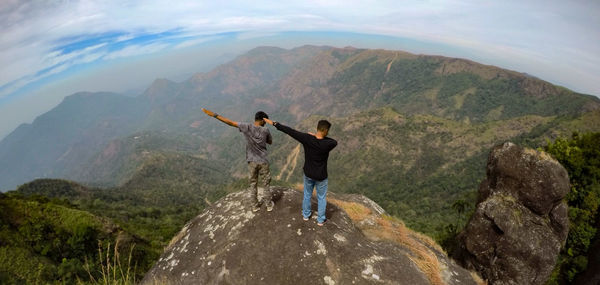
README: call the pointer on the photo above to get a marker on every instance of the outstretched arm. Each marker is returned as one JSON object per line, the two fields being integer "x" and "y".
{"x": 299, "y": 136}
{"x": 220, "y": 118}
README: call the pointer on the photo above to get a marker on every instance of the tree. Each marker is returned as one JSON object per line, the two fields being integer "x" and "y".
{"x": 580, "y": 155}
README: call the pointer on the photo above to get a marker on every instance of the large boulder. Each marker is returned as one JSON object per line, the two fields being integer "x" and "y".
{"x": 359, "y": 244}
{"x": 521, "y": 221}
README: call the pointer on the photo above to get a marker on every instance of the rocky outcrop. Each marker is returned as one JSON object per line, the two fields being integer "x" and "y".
{"x": 359, "y": 244}
{"x": 520, "y": 222}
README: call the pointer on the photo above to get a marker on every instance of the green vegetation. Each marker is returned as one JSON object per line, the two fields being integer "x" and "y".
{"x": 166, "y": 191}
{"x": 57, "y": 231}
{"x": 50, "y": 241}
{"x": 413, "y": 131}
{"x": 580, "y": 155}
{"x": 415, "y": 85}
{"x": 414, "y": 166}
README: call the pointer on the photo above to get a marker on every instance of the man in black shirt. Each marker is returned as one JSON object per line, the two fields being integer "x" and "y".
{"x": 316, "y": 152}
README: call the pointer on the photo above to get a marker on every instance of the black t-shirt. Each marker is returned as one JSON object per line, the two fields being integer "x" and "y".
{"x": 316, "y": 151}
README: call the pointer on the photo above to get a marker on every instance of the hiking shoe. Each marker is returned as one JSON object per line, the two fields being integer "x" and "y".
{"x": 256, "y": 208}
{"x": 306, "y": 218}
{"x": 270, "y": 206}
{"x": 321, "y": 224}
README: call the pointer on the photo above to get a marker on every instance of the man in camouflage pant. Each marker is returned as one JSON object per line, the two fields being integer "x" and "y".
{"x": 257, "y": 138}
{"x": 255, "y": 169}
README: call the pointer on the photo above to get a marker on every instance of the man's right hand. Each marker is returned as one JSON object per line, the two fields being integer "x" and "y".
{"x": 268, "y": 121}
{"x": 220, "y": 118}
{"x": 208, "y": 112}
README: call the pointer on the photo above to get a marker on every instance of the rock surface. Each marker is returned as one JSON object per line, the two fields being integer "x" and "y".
{"x": 520, "y": 222}
{"x": 228, "y": 244}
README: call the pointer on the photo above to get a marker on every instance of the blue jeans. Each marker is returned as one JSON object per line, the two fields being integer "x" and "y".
{"x": 309, "y": 185}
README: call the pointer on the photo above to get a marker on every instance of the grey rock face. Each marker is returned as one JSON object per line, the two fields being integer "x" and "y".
{"x": 521, "y": 222}
{"x": 229, "y": 244}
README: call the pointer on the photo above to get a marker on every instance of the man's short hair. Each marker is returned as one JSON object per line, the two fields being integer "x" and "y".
{"x": 323, "y": 125}
{"x": 260, "y": 115}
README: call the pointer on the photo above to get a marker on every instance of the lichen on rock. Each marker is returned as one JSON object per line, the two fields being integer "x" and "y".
{"x": 520, "y": 222}
{"x": 228, "y": 244}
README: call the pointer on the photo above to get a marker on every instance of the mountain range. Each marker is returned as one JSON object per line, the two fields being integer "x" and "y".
{"x": 414, "y": 130}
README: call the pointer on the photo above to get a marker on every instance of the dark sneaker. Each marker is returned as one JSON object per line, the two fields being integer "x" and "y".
{"x": 256, "y": 208}
{"x": 270, "y": 206}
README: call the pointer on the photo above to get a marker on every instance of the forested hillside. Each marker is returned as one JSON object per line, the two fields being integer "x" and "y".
{"x": 413, "y": 129}
{"x": 52, "y": 241}
{"x": 87, "y": 129}
{"x": 413, "y": 133}
{"x": 57, "y": 231}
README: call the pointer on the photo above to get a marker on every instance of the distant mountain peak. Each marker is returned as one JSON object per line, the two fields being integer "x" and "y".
{"x": 161, "y": 89}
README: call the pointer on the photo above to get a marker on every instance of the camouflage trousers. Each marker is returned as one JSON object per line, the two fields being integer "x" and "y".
{"x": 255, "y": 170}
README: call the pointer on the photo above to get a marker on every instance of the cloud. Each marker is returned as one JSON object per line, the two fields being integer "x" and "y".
{"x": 13, "y": 86}
{"x": 58, "y": 57}
{"x": 40, "y": 37}
{"x": 125, "y": 38}
{"x": 136, "y": 50}
{"x": 51, "y": 63}
{"x": 196, "y": 41}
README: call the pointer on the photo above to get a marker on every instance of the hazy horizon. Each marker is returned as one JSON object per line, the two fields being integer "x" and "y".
{"x": 52, "y": 50}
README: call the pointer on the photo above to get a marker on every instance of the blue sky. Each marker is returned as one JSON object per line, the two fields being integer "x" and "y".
{"x": 51, "y": 49}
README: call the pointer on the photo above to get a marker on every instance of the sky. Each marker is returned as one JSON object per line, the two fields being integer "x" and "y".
{"x": 51, "y": 49}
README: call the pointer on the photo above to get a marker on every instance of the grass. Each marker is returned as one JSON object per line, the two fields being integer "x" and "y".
{"x": 392, "y": 229}
{"x": 111, "y": 270}
{"x": 177, "y": 237}
{"x": 355, "y": 211}
{"x": 24, "y": 266}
